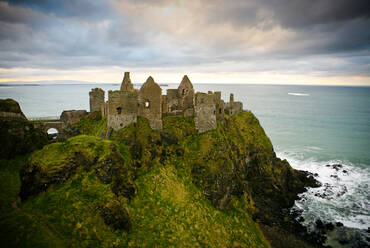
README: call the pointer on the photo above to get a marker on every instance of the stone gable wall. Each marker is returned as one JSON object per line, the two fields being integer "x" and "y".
{"x": 150, "y": 103}
{"x": 186, "y": 97}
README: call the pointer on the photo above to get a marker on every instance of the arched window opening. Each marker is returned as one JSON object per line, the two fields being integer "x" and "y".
{"x": 147, "y": 104}
{"x": 119, "y": 110}
{"x": 220, "y": 110}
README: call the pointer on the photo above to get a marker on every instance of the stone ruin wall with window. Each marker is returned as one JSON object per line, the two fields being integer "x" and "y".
{"x": 125, "y": 105}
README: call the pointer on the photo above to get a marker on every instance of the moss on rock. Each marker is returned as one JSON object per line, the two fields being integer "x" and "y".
{"x": 145, "y": 188}
{"x": 57, "y": 162}
{"x": 18, "y": 136}
{"x": 10, "y": 105}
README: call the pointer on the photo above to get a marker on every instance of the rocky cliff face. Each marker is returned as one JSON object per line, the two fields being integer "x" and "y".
{"x": 161, "y": 188}
{"x": 18, "y": 136}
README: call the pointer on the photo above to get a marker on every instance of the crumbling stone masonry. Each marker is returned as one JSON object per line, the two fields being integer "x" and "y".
{"x": 232, "y": 108}
{"x": 126, "y": 84}
{"x": 185, "y": 93}
{"x": 122, "y": 108}
{"x": 96, "y": 99}
{"x": 125, "y": 105}
{"x": 205, "y": 112}
{"x": 70, "y": 117}
{"x": 180, "y": 101}
{"x": 150, "y": 103}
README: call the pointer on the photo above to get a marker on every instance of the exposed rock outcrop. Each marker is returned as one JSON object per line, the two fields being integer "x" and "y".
{"x": 17, "y": 135}
{"x": 115, "y": 215}
{"x": 81, "y": 153}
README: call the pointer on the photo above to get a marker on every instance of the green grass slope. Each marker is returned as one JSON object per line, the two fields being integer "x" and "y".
{"x": 166, "y": 210}
{"x": 145, "y": 188}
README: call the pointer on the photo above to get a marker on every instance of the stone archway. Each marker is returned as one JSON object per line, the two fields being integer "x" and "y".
{"x": 57, "y": 125}
{"x": 52, "y": 133}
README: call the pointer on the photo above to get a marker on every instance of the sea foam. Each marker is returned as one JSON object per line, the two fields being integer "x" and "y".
{"x": 342, "y": 197}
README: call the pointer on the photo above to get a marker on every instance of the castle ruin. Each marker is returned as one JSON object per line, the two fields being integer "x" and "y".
{"x": 125, "y": 105}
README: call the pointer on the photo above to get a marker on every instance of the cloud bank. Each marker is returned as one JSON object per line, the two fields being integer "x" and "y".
{"x": 326, "y": 38}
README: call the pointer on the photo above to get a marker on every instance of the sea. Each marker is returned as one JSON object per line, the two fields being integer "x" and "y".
{"x": 321, "y": 129}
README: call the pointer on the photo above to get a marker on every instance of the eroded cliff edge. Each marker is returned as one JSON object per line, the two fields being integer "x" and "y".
{"x": 171, "y": 187}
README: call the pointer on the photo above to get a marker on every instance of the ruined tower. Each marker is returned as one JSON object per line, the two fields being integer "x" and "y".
{"x": 150, "y": 103}
{"x": 126, "y": 84}
{"x": 232, "y": 107}
{"x": 96, "y": 99}
{"x": 122, "y": 105}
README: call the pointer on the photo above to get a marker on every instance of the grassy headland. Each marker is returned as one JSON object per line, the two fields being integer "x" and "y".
{"x": 145, "y": 188}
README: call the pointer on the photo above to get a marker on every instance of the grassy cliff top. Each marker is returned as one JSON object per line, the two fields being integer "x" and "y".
{"x": 145, "y": 188}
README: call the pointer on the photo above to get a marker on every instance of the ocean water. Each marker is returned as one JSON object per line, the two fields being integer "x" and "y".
{"x": 310, "y": 126}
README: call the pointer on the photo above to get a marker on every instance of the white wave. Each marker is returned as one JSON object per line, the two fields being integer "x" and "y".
{"x": 344, "y": 194}
{"x": 298, "y": 94}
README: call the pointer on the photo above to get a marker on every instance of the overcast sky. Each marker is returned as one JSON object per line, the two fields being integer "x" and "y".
{"x": 213, "y": 41}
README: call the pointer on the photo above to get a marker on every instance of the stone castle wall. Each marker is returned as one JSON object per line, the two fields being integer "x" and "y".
{"x": 70, "y": 117}
{"x": 96, "y": 99}
{"x": 205, "y": 112}
{"x": 122, "y": 108}
{"x": 171, "y": 106}
{"x": 232, "y": 108}
{"x": 125, "y": 105}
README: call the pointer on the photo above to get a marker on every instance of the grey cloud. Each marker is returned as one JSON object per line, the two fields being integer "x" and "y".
{"x": 298, "y": 14}
{"x": 68, "y": 8}
{"x": 78, "y": 34}
{"x": 288, "y": 13}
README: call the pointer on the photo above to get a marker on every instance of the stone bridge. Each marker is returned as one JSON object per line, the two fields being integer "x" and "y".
{"x": 46, "y": 125}
{"x": 68, "y": 117}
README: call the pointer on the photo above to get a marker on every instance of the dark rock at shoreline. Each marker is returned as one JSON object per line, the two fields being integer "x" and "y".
{"x": 329, "y": 226}
{"x": 335, "y": 166}
{"x": 319, "y": 224}
{"x": 348, "y": 237}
